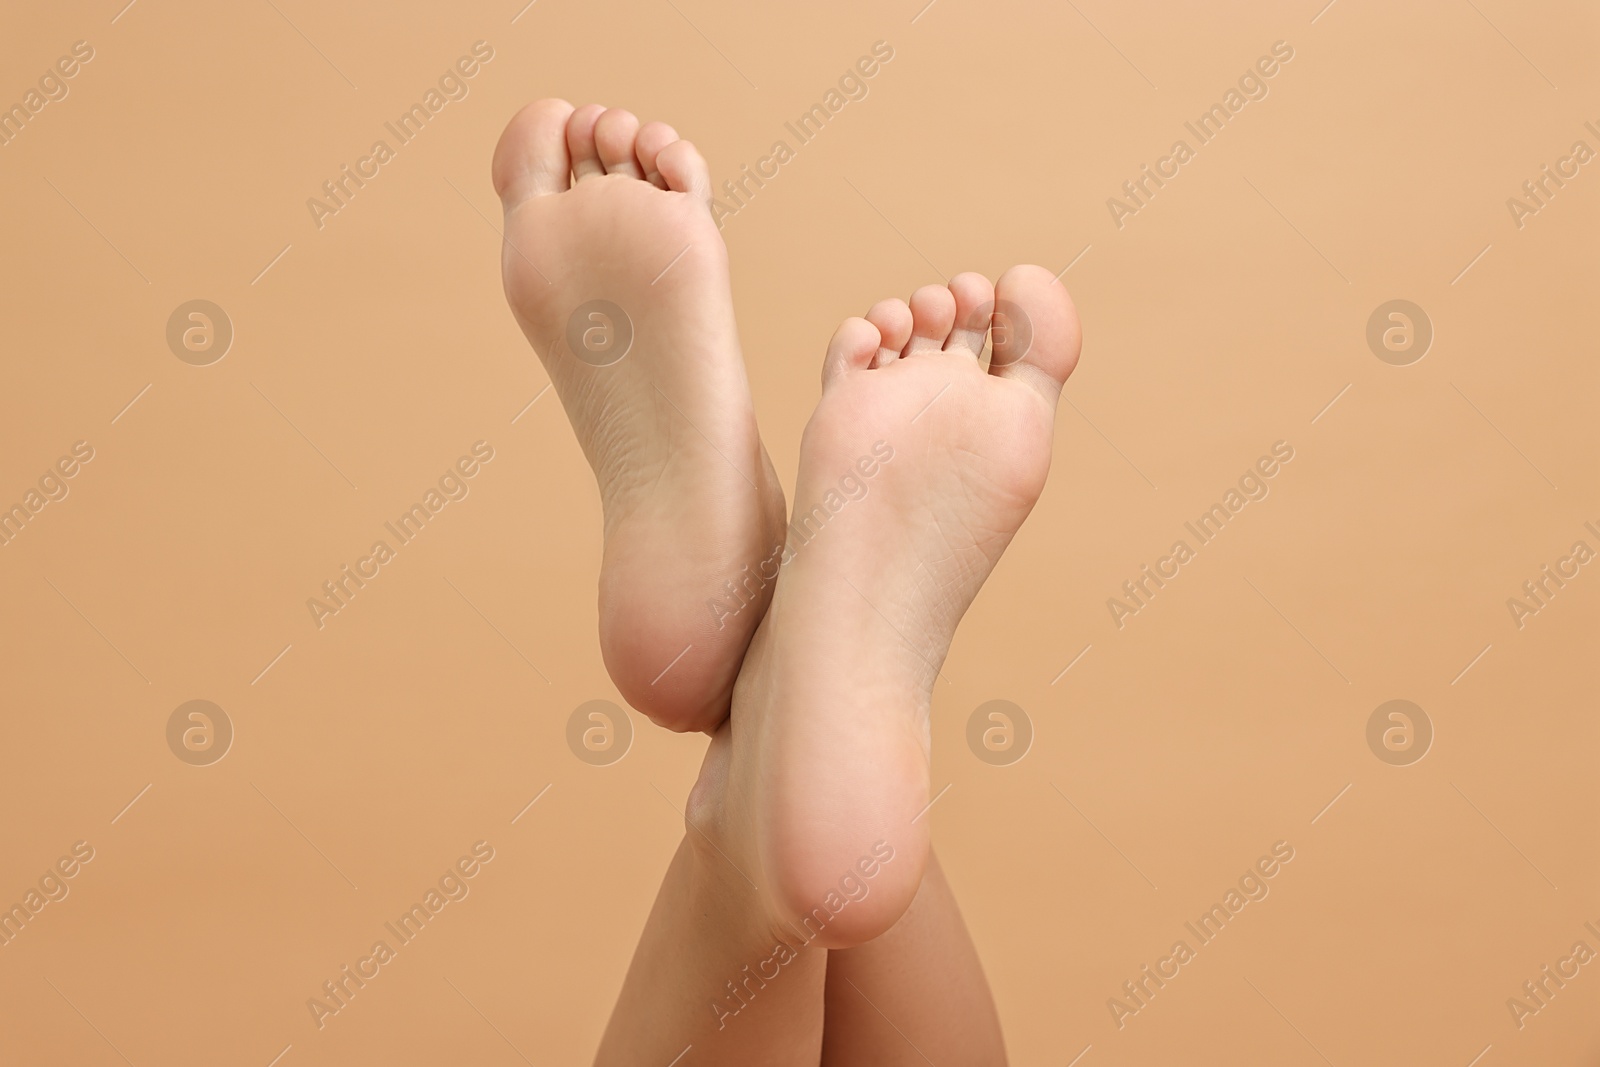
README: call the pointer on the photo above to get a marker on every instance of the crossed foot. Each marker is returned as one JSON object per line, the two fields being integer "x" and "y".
{"x": 919, "y": 464}
{"x": 689, "y": 497}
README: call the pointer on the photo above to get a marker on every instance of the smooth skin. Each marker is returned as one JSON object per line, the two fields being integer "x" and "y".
{"x": 599, "y": 208}
{"x": 804, "y": 888}
{"x": 915, "y": 473}
{"x": 825, "y": 752}
{"x": 914, "y": 996}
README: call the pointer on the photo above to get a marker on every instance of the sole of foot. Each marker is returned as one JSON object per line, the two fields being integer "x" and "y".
{"x": 618, "y": 277}
{"x": 916, "y": 469}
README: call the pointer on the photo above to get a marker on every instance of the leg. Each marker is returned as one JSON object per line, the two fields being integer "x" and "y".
{"x": 916, "y": 993}
{"x": 709, "y": 975}
{"x": 809, "y": 796}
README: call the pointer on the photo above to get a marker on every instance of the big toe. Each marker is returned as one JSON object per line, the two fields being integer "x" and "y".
{"x": 1035, "y": 331}
{"x": 531, "y": 158}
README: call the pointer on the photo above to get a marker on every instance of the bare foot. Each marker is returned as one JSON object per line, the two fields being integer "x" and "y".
{"x": 619, "y": 279}
{"x": 915, "y": 471}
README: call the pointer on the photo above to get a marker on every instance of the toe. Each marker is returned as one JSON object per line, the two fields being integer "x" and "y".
{"x": 614, "y": 134}
{"x": 580, "y": 142}
{"x": 893, "y": 320}
{"x": 685, "y": 170}
{"x": 974, "y": 308}
{"x": 933, "y": 310}
{"x": 854, "y": 344}
{"x": 653, "y": 137}
{"x": 1036, "y": 330}
{"x": 531, "y": 158}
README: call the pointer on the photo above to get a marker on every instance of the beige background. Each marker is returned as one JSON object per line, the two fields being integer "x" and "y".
{"x": 1224, "y": 717}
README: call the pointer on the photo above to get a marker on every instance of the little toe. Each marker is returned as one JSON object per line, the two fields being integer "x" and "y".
{"x": 933, "y": 311}
{"x": 893, "y": 320}
{"x": 853, "y": 347}
{"x": 974, "y": 309}
{"x": 653, "y": 137}
{"x": 531, "y": 158}
{"x": 614, "y": 135}
{"x": 685, "y": 170}
{"x": 580, "y": 142}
